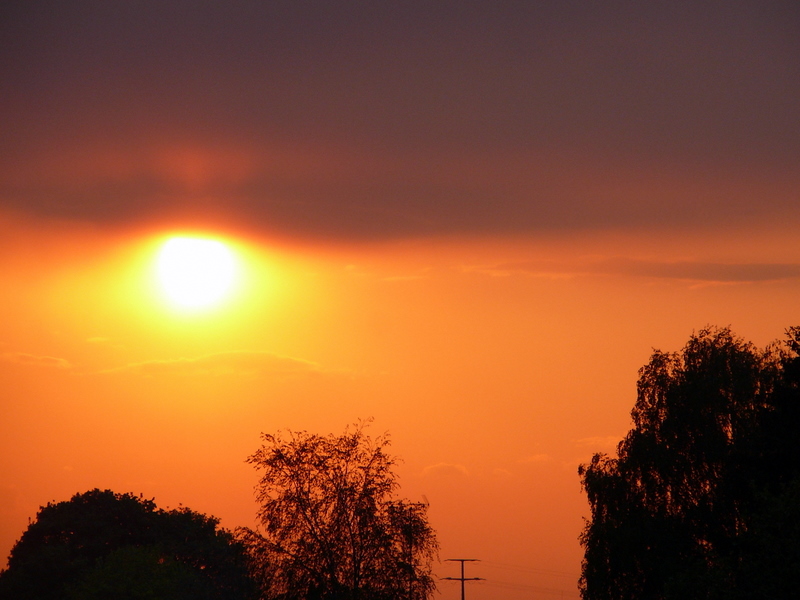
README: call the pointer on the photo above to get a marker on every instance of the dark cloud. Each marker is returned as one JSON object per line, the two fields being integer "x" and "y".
{"x": 402, "y": 118}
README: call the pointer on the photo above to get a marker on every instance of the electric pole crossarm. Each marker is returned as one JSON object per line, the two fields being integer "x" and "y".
{"x": 462, "y": 579}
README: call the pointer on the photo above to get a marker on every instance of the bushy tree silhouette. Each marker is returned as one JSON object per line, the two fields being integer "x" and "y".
{"x": 105, "y": 545}
{"x": 689, "y": 507}
{"x": 331, "y": 526}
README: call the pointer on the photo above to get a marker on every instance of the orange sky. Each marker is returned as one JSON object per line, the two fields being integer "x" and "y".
{"x": 497, "y": 365}
{"x": 470, "y": 221}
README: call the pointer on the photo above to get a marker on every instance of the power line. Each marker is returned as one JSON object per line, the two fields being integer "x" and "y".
{"x": 499, "y": 583}
{"x": 533, "y": 570}
{"x": 521, "y": 587}
{"x": 462, "y": 579}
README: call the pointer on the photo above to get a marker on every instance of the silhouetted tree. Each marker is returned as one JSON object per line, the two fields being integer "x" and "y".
{"x": 331, "y": 526}
{"x": 709, "y": 469}
{"x": 105, "y": 545}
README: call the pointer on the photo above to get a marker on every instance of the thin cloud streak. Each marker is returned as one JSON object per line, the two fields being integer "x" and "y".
{"x": 224, "y": 363}
{"x": 34, "y": 360}
{"x": 682, "y": 270}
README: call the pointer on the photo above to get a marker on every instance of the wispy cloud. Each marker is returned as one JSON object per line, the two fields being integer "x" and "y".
{"x": 35, "y": 360}
{"x": 538, "y": 268}
{"x": 712, "y": 272}
{"x": 503, "y": 474}
{"x": 224, "y": 363}
{"x": 684, "y": 270}
{"x": 444, "y": 469}
{"x": 536, "y": 458}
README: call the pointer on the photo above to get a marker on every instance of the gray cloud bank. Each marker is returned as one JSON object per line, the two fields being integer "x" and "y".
{"x": 356, "y": 120}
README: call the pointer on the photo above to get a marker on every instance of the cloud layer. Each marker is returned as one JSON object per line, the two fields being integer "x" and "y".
{"x": 346, "y": 121}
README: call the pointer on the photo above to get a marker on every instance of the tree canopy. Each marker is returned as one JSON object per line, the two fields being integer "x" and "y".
{"x": 101, "y": 545}
{"x": 701, "y": 500}
{"x": 331, "y": 526}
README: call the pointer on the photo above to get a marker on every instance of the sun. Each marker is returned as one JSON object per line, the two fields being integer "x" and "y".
{"x": 196, "y": 272}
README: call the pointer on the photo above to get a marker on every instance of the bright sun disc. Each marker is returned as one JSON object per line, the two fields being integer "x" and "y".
{"x": 196, "y": 272}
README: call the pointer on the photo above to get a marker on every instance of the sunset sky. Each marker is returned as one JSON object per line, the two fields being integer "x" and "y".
{"x": 470, "y": 221}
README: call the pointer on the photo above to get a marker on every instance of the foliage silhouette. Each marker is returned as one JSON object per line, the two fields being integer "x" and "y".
{"x": 105, "y": 545}
{"x": 704, "y": 485}
{"x": 331, "y": 526}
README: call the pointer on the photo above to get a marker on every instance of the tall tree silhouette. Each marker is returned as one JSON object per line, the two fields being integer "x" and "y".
{"x": 686, "y": 507}
{"x": 331, "y": 525}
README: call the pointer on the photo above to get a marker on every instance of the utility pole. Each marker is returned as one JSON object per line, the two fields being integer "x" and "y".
{"x": 462, "y": 579}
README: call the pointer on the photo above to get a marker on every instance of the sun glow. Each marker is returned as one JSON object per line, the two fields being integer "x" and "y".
{"x": 196, "y": 272}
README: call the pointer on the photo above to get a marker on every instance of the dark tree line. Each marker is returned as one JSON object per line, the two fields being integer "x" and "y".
{"x": 702, "y": 499}
{"x": 332, "y": 529}
{"x": 101, "y": 545}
